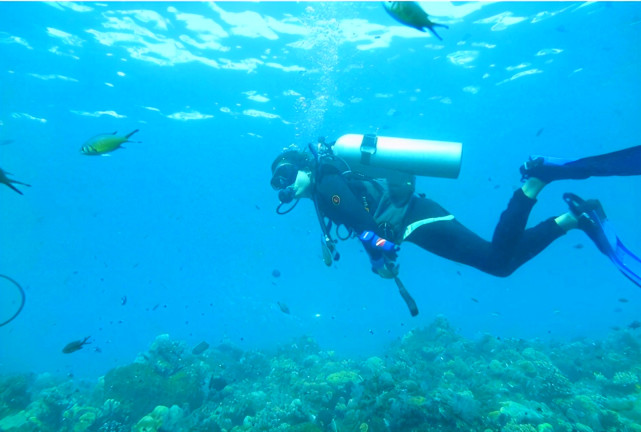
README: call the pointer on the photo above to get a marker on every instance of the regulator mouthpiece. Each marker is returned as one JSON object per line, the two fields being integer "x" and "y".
{"x": 286, "y": 195}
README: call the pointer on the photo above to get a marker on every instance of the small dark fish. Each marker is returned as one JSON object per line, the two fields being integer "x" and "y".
{"x": 474, "y": 299}
{"x": 615, "y": 328}
{"x": 155, "y": 307}
{"x": 123, "y": 300}
{"x": 578, "y": 246}
{"x": 276, "y": 273}
{"x": 634, "y": 325}
{"x": 217, "y": 383}
{"x": 539, "y": 132}
{"x": 623, "y": 300}
{"x": 75, "y": 345}
{"x": 6, "y": 141}
{"x": 283, "y": 307}
{"x": 200, "y": 348}
{"x": 7, "y": 181}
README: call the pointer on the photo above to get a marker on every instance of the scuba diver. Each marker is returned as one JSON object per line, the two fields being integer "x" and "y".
{"x": 384, "y": 212}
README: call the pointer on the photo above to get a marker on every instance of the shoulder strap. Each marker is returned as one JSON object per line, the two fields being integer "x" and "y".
{"x": 328, "y": 245}
{"x": 324, "y": 163}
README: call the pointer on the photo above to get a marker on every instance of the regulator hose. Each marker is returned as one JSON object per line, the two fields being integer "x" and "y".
{"x": 22, "y": 300}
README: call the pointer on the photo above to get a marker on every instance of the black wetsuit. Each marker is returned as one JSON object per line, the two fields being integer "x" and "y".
{"x": 511, "y": 246}
{"x": 352, "y": 202}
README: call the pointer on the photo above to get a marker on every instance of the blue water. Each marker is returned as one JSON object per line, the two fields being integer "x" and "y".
{"x": 183, "y": 225}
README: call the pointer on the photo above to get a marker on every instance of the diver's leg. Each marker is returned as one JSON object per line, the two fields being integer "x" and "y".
{"x": 440, "y": 233}
{"x": 511, "y": 225}
{"x": 626, "y": 162}
{"x": 532, "y": 187}
{"x": 511, "y": 246}
{"x": 532, "y": 242}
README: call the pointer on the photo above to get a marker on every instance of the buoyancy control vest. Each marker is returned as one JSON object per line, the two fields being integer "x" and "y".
{"x": 384, "y": 200}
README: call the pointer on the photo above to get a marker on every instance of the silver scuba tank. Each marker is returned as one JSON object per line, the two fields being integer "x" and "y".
{"x": 383, "y": 157}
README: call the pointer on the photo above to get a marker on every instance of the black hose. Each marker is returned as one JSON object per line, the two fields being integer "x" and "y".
{"x": 22, "y": 300}
{"x": 282, "y": 212}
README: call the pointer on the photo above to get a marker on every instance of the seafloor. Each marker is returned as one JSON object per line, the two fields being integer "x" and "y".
{"x": 432, "y": 380}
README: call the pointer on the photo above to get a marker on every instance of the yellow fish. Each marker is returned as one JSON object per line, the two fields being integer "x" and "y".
{"x": 412, "y": 15}
{"x": 105, "y": 143}
{"x": 7, "y": 181}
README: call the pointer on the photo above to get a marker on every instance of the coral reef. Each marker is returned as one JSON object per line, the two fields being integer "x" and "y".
{"x": 433, "y": 379}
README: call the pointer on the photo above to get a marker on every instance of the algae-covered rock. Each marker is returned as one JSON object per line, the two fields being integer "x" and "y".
{"x": 344, "y": 377}
{"x": 15, "y": 393}
{"x": 147, "y": 424}
{"x": 374, "y": 366}
{"x": 139, "y": 388}
{"x": 548, "y": 383}
{"x": 49, "y": 405}
{"x": 518, "y": 428}
{"x": 584, "y": 409}
{"x": 496, "y": 367}
{"x": 85, "y": 422}
{"x": 165, "y": 355}
{"x": 544, "y": 427}
{"x": 80, "y": 417}
{"x": 155, "y": 421}
{"x": 403, "y": 416}
{"x": 625, "y": 379}
{"x": 304, "y": 427}
{"x": 16, "y": 422}
{"x": 527, "y": 367}
{"x": 464, "y": 405}
{"x": 518, "y": 413}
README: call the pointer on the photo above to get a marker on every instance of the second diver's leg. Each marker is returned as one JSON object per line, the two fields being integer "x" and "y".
{"x": 626, "y": 162}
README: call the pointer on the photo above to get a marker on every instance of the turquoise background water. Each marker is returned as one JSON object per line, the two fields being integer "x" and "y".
{"x": 183, "y": 223}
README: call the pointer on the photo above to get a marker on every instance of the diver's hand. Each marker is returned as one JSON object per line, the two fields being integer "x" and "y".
{"x": 384, "y": 268}
{"x": 376, "y": 246}
{"x": 382, "y": 254}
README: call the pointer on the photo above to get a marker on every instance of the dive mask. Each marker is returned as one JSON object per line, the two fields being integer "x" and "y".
{"x": 284, "y": 175}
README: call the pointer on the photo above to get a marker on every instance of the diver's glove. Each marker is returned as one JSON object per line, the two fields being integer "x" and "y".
{"x": 384, "y": 268}
{"x": 382, "y": 254}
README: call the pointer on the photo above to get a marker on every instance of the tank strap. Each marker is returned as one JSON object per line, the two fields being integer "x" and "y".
{"x": 415, "y": 225}
{"x": 368, "y": 148}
